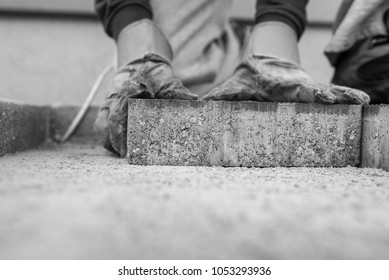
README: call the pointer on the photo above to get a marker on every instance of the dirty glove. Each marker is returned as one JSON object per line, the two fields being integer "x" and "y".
{"x": 147, "y": 75}
{"x": 270, "y": 78}
{"x": 365, "y": 66}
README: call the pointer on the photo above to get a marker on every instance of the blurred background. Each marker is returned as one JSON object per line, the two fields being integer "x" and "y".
{"x": 52, "y": 51}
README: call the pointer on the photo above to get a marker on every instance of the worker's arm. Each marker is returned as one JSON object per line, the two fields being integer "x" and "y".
{"x": 144, "y": 56}
{"x": 282, "y": 23}
{"x": 290, "y": 12}
{"x": 269, "y": 68}
{"x": 115, "y": 15}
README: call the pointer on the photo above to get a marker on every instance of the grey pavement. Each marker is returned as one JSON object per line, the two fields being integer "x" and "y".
{"x": 80, "y": 202}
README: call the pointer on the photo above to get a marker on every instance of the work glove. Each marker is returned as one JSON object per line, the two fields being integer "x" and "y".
{"x": 148, "y": 74}
{"x": 359, "y": 49}
{"x": 269, "y": 78}
{"x": 366, "y": 66}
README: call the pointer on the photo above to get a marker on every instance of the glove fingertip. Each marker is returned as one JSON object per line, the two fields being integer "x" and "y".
{"x": 208, "y": 97}
{"x": 214, "y": 94}
{"x": 123, "y": 152}
{"x": 189, "y": 96}
{"x": 123, "y": 145}
{"x": 353, "y": 96}
{"x": 325, "y": 97}
{"x": 367, "y": 99}
{"x": 100, "y": 125}
{"x": 108, "y": 146}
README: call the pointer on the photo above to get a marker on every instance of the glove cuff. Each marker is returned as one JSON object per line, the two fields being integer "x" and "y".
{"x": 140, "y": 39}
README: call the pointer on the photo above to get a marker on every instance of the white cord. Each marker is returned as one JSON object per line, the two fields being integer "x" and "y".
{"x": 85, "y": 106}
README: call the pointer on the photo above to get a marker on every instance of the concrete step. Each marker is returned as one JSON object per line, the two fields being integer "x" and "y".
{"x": 251, "y": 134}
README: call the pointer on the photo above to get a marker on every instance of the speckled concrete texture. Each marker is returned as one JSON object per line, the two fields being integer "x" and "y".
{"x": 223, "y": 133}
{"x": 79, "y": 202}
{"x": 21, "y": 126}
{"x": 375, "y": 139}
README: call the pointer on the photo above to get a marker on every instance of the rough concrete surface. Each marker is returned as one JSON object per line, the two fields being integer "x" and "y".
{"x": 79, "y": 202}
{"x": 21, "y": 126}
{"x": 375, "y": 139}
{"x": 223, "y": 133}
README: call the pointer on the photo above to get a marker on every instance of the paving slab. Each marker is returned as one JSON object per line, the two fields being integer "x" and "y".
{"x": 375, "y": 140}
{"x": 22, "y": 126}
{"x": 223, "y": 133}
{"x": 80, "y": 202}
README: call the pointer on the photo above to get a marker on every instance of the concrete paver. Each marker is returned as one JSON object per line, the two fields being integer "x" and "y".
{"x": 79, "y": 202}
{"x": 222, "y": 133}
{"x": 375, "y": 137}
{"x": 21, "y": 126}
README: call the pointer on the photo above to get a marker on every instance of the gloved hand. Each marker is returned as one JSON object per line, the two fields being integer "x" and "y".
{"x": 365, "y": 66}
{"x": 147, "y": 75}
{"x": 272, "y": 79}
{"x": 264, "y": 76}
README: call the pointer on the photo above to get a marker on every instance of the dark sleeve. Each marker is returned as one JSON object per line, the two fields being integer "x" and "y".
{"x": 117, "y": 14}
{"x": 291, "y": 12}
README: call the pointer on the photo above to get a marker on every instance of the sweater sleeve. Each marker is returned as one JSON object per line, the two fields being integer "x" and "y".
{"x": 115, "y": 15}
{"x": 291, "y": 12}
